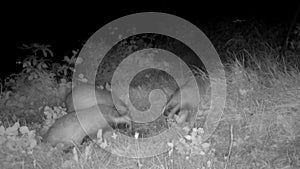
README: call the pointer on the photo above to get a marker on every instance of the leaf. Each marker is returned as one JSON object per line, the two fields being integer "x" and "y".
{"x": 44, "y": 52}
{"x": 32, "y": 143}
{"x": 99, "y": 134}
{"x": 24, "y": 130}
{"x": 13, "y": 131}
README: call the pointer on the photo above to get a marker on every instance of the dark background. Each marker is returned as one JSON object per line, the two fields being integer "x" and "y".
{"x": 64, "y": 26}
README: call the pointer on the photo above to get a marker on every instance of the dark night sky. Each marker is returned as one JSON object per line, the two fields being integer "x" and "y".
{"x": 61, "y": 26}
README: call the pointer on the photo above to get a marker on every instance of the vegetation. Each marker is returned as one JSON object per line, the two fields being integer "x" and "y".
{"x": 259, "y": 128}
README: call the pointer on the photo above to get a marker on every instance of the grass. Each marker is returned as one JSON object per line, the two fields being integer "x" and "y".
{"x": 259, "y": 127}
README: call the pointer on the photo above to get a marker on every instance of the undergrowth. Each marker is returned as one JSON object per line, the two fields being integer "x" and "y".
{"x": 259, "y": 127}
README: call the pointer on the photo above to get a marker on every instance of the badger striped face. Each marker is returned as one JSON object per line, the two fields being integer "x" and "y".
{"x": 187, "y": 96}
